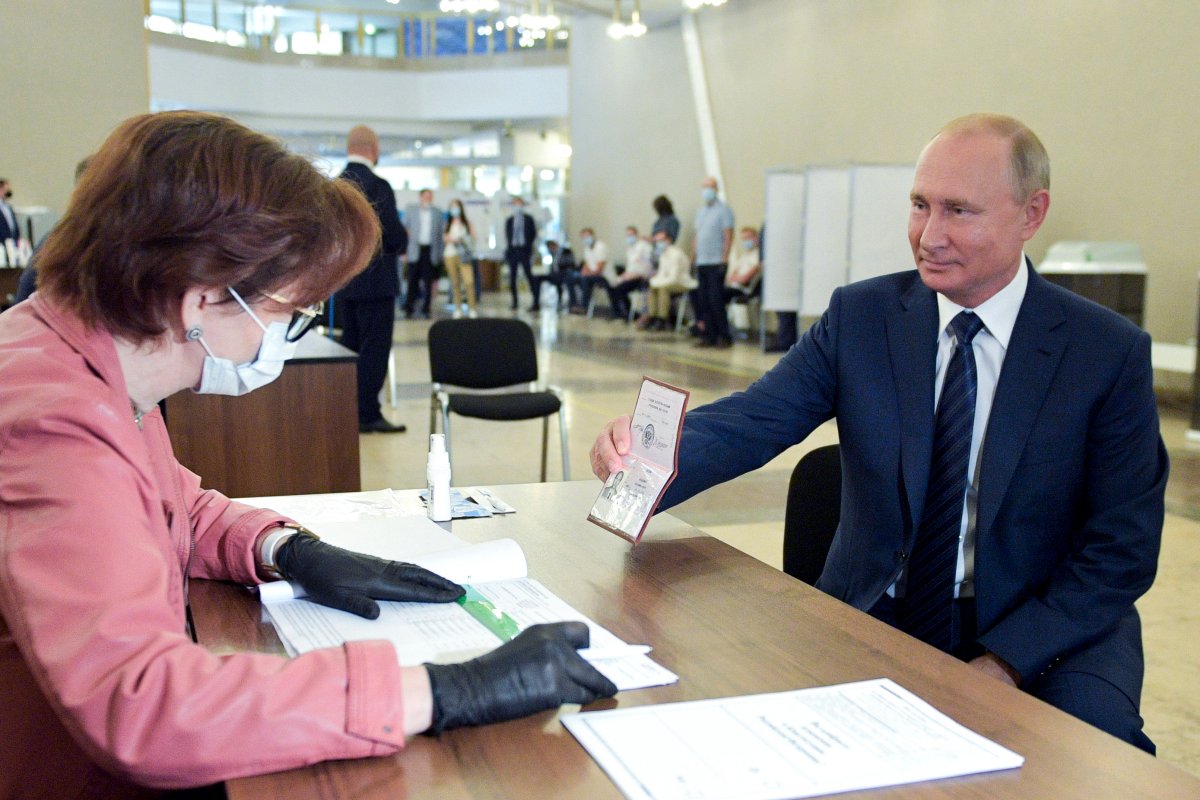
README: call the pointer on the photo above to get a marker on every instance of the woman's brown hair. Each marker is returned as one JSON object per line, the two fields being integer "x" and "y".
{"x": 184, "y": 199}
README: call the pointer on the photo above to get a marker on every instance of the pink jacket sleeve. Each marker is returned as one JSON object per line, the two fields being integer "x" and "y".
{"x": 91, "y": 577}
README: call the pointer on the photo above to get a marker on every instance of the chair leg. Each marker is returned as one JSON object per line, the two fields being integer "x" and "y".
{"x": 679, "y": 312}
{"x": 562, "y": 431}
{"x": 392, "y": 378}
{"x": 545, "y": 443}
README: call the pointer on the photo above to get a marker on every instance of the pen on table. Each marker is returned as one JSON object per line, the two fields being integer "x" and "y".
{"x": 616, "y": 651}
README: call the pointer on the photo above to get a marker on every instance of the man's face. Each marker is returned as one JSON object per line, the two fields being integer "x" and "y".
{"x": 965, "y": 227}
{"x": 5, "y": 190}
{"x": 426, "y": 197}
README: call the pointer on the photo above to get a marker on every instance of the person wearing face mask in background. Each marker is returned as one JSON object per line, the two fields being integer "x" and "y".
{"x": 597, "y": 269}
{"x": 459, "y": 239}
{"x": 366, "y": 306}
{"x": 710, "y": 254}
{"x": 638, "y": 267}
{"x": 672, "y": 278}
{"x": 159, "y": 280}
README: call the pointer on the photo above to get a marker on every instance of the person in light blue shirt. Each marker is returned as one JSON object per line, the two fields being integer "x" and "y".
{"x": 710, "y": 254}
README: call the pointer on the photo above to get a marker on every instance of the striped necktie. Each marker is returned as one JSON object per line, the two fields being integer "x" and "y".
{"x": 929, "y": 592}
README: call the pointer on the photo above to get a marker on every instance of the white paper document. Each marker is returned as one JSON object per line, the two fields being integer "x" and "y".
{"x": 804, "y": 743}
{"x": 631, "y": 494}
{"x": 500, "y": 602}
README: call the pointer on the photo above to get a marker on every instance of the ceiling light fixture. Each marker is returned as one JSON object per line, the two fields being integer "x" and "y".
{"x": 694, "y": 5}
{"x": 618, "y": 29}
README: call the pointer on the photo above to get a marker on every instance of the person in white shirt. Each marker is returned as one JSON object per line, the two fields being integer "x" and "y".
{"x": 744, "y": 266}
{"x": 638, "y": 268}
{"x": 673, "y": 278}
{"x": 596, "y": 270}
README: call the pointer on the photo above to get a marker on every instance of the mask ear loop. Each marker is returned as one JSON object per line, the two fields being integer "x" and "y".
{"x": 242, "y": 303}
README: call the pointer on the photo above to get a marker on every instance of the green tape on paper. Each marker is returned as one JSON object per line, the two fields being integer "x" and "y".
{"x": 490, "y": 617}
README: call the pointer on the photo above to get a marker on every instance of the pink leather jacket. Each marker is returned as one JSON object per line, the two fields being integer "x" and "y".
{"x": 100, "y": 686}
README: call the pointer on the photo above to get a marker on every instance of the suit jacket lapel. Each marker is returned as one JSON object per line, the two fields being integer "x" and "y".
{"x": 1038, "y": 341}
{"x": 912, "y": 346}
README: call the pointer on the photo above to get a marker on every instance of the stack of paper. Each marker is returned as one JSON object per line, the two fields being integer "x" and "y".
{"x": 792, "y": 744}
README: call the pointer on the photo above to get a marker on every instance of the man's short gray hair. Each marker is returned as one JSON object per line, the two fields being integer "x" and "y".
{"x": 1029, "y": 163}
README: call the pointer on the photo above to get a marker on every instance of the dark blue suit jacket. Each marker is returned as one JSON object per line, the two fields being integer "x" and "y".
{"x": 380, "y": 279}
{"x": 530, "y": 235}
{"x": 1072, "y": 472}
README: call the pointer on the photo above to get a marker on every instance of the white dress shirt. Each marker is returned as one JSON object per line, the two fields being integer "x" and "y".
{"x": 999, "y": 315}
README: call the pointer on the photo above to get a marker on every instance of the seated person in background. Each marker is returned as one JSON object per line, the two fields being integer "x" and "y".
{"x": 564, "y": 274}
{"x": 638, "y": 253}
{"x": 673, "y": 277}
{"x": 1002, "y": 466}
{"x": 744, "y": 267}
{"x": 597, "y": 269}
{"x": 160, "y": 279}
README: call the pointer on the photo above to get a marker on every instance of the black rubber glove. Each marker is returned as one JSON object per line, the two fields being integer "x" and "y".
{"x": 348, "y": 581}
{"x": 537, "y": 670}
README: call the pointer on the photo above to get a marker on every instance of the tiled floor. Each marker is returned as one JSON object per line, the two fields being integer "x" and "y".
{"x": 599, "y": 363}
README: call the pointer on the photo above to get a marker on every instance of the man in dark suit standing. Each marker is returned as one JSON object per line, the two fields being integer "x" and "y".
{"x": 366, "y": 307}
{"x": 9, "y": 230}
{"x": 1002, "y": 468}
{"x": 520, "y": 233}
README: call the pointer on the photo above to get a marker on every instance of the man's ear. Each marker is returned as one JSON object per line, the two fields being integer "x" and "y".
{"x": 1036, "y": 208}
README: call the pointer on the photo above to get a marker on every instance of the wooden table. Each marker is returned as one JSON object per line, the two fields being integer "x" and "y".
{"x": 728, "y": 625}
{"x": 296, "y": 435}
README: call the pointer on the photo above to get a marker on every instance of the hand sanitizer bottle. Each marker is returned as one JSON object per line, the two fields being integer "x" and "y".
{"x": 437, "y": 473}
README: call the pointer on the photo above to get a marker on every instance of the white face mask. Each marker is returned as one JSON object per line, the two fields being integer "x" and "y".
{"x": 222, "y": 376}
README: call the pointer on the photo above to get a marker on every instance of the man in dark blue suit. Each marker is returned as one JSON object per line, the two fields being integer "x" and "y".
{"x": 1058, "y": 518}
{"x": 366, "y": 307}
{"x": 520, "y": 234}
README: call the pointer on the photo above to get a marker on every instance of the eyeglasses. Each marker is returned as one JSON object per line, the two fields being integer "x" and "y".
{"x": 303, "y": 317}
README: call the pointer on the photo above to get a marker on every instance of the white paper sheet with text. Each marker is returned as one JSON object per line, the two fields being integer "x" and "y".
{"x": 792, "y": 744}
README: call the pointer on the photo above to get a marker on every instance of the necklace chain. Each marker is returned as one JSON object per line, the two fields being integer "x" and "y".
{"x": 137, "y": 414}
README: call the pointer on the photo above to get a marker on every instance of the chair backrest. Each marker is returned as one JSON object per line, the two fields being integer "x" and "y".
{"x": 482, "y": 353}
{"x": 813, "y": 512}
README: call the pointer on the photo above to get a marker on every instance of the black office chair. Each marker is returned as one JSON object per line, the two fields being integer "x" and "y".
{"x": 813, "y": 511}
{"x": 485, "y": 356}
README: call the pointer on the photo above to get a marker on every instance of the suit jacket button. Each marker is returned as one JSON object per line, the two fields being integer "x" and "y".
{"x": 900, "y": 556}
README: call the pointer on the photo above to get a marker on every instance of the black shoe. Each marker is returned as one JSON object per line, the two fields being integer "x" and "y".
{"x": 534, "y": 309}
{"x": 704, "y": 343}
{"x": 380, "y": 425}
{"x": 723, "y": 344}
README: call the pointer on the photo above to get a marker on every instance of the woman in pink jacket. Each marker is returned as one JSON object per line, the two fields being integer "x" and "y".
{"x": 191, "y": 257}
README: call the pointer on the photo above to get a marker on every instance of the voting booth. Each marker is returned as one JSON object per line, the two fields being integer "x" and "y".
{"x": 829, "y": 225}
{"x": 1111, "y": 273}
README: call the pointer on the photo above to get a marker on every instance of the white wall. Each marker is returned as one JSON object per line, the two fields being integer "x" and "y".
{"x": 71, "y": 71}
{"x": 1111, "y": 88}
{"x": 182, "y": 77}
{"x": 633, "y": 131}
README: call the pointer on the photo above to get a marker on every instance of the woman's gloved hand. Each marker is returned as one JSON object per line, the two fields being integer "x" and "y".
{"x": 537, "y": 670}
{"x": 352, "y": 582}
